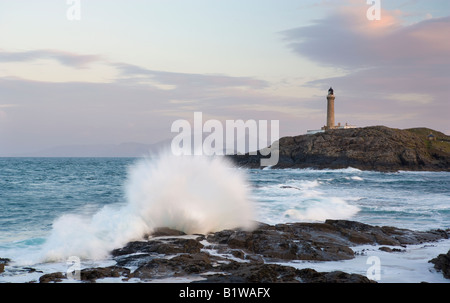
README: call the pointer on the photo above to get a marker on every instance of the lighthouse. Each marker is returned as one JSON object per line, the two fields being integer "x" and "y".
{"x": 330, "y": 117}
{"x": 330, "y": 109}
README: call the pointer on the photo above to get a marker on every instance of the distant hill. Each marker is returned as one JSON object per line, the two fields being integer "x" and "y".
{"x": 370, "y": 148}
{"x": 128, "y": 149}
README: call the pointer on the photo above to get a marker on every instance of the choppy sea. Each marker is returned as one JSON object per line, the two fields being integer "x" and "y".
{"x": 39, "y": 196}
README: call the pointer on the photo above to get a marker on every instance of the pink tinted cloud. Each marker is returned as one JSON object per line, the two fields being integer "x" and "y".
{"x": 63, "y": 57}
{"x": 206, "y": 81}
{"x": 385, "y": 62}
{"x": 348, "y": 39}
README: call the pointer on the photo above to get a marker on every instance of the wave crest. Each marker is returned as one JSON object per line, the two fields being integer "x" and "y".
{"x": 193, "y": 194}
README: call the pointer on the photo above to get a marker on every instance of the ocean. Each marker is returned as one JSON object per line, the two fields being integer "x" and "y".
{"x": 54, "y": 208}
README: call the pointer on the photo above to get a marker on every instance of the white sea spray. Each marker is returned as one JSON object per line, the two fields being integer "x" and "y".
{"x": 193, "y": 194}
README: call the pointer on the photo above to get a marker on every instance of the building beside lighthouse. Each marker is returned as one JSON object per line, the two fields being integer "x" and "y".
{"x": 330, "y": 116}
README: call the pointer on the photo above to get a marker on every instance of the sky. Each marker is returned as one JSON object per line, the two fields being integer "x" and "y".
{"x": 114, "y": 71}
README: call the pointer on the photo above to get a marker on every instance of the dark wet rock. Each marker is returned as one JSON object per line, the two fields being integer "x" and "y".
{"x": 31, "y": 270}
{"x": 442, "y": 264}
{"x": 253, "y": 273}
{"x": 165, "y": 231}
{"x": 181, "y": 265}
{"x": 165, "y": 246}
{"x": 388, "y": 249}
{"x": 3, "y": 263}
{"x": 89, "y": 274}
{"x": 309, "y": 275}
{"x": 248, "y": 256}
{"x": 53, "y": 277}
{"x": 328, "y": 241}
{"x": 360, "y": 233}
{"x": 138, "y": 253}
{"x": 275, "y": 273}
{"x": 92, "y": 274}
{"x": 237, "y": 253}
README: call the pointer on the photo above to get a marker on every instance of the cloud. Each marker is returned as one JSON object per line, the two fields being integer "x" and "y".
{"x": 412, "y": 98}
{"x": 134, "y": 74}
{"x": 347, "y": 39}
{"x": 48, "y": 114}
{"x": 206, "y": 81}
{"x": 65, "y": 58}
{"x": 390, "y": 70}
{"x": 8, "y": 105}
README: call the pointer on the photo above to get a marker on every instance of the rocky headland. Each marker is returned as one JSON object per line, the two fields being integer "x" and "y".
{"x": 254, "y": 256}
{"x": 376, "y": 148}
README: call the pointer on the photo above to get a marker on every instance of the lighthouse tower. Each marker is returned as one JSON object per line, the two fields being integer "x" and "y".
{"x": 330, "y": 117}
{"x": 330, "y": 109}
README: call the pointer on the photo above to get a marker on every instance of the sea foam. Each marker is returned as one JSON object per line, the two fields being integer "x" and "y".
{"x": 193, "y": 194}
{"x": 321, "y": 209}
{"x": 304, "y": 200}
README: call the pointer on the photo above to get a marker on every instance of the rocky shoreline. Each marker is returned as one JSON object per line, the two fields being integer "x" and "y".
{"x": 377, "y": 148}
{"x": 251, "y": 256}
